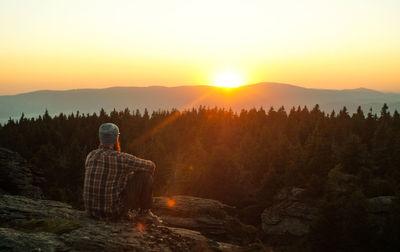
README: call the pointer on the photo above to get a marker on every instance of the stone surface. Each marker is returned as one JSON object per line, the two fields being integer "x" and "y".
{"x": 380, "y": 205}
{"x": 18, "y": 177}
{"x": 210, "y": 217}
{"x": 291, "y": 215}
{"x": 90, "y": 234}
{"x": 288, "y": 214}
{"x": 379, "y": 208}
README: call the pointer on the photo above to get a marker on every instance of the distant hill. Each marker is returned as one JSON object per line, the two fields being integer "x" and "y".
{"x": 158, "y": 97}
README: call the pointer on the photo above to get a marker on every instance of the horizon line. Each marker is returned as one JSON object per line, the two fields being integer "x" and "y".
{"x": 201, "y": 85}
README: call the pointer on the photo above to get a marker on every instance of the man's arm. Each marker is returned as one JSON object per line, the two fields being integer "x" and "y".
{"x": 137, "y": 164}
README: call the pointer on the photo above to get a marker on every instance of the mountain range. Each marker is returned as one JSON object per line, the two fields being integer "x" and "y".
{"x": 153, "y": 98}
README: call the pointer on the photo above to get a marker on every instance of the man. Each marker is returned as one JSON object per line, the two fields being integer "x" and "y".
{"x": 117, "y": 182}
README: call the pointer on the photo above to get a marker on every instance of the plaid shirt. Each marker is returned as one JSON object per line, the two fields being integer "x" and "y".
{"x": 106, "y": 174}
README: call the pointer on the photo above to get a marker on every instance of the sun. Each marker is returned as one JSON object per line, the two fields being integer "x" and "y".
{"x": 228, "y": 80}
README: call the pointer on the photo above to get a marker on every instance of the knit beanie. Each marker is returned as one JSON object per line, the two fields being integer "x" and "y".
{"x": 108, "y": 133}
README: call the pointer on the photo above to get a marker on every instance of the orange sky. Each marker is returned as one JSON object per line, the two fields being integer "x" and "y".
{"x": 94, "y": 44}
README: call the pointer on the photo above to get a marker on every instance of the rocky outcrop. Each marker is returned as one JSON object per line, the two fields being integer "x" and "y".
{"x": 379, "y": 208}
{"x": 292, "y": 215}
{"x": 44, "y": 225}
{"x": 18, "y": 177}
{"x": 289, "y": 214}
{"x": 380, "y": 205}
{"x": 210, "y": 217}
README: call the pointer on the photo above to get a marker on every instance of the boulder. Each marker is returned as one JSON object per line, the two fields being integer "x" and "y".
{"x": 380, "y": 205}
{"x": 210, "y": 217}
{"x": 44, "y": 225}
{"x": 289, "y": 214}
{"x": 18, "y": 177}
{"x": 379, "y": 210}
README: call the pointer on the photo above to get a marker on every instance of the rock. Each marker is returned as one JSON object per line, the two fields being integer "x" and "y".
{"x": 378, "y": 209}
{"x": 34, "y": 225}
{"x": 12, "y": 240}
{"x": 210, "y": 217}
{"x": 289, "y": 194}
{"x": 288, "y": 214}
{"x": 202, "y": 242}
{"x": 22, "y": 208}
{"x": 18, "y": 177}
{"x": 380, "y": 205}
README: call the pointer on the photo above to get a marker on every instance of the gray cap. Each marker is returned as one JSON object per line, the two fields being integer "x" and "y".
{"x": 108, "y": 133}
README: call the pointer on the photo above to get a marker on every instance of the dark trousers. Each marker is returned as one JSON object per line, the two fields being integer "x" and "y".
{"x": 138, "y": 192}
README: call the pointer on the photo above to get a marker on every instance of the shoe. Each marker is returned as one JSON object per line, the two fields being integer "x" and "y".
{"x": 130, "y": 215}
{"x": 149, "y": 217}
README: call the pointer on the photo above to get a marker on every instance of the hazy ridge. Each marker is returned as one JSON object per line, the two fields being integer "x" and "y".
{"x": 158, "y": 97}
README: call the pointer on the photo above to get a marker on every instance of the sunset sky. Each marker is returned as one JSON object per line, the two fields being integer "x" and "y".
{"x": 342, "y": 44}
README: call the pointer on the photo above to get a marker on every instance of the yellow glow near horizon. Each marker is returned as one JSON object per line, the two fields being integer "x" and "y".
{"x": 68, "y": 44}
{"x": 228, "y": 80}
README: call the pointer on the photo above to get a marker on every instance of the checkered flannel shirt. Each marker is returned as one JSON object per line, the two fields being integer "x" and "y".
{"x": 106, "y": 175}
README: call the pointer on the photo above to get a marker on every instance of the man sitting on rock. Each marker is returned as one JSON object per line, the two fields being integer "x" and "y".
{"x": 117, "y": 182}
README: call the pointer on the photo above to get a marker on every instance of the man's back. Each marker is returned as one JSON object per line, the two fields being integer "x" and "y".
{"x": 106, "y": 174}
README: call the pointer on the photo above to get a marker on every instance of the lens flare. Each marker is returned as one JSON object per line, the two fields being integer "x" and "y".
{"x": 171, "y": 203}
{"x": 140, "y": 227}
